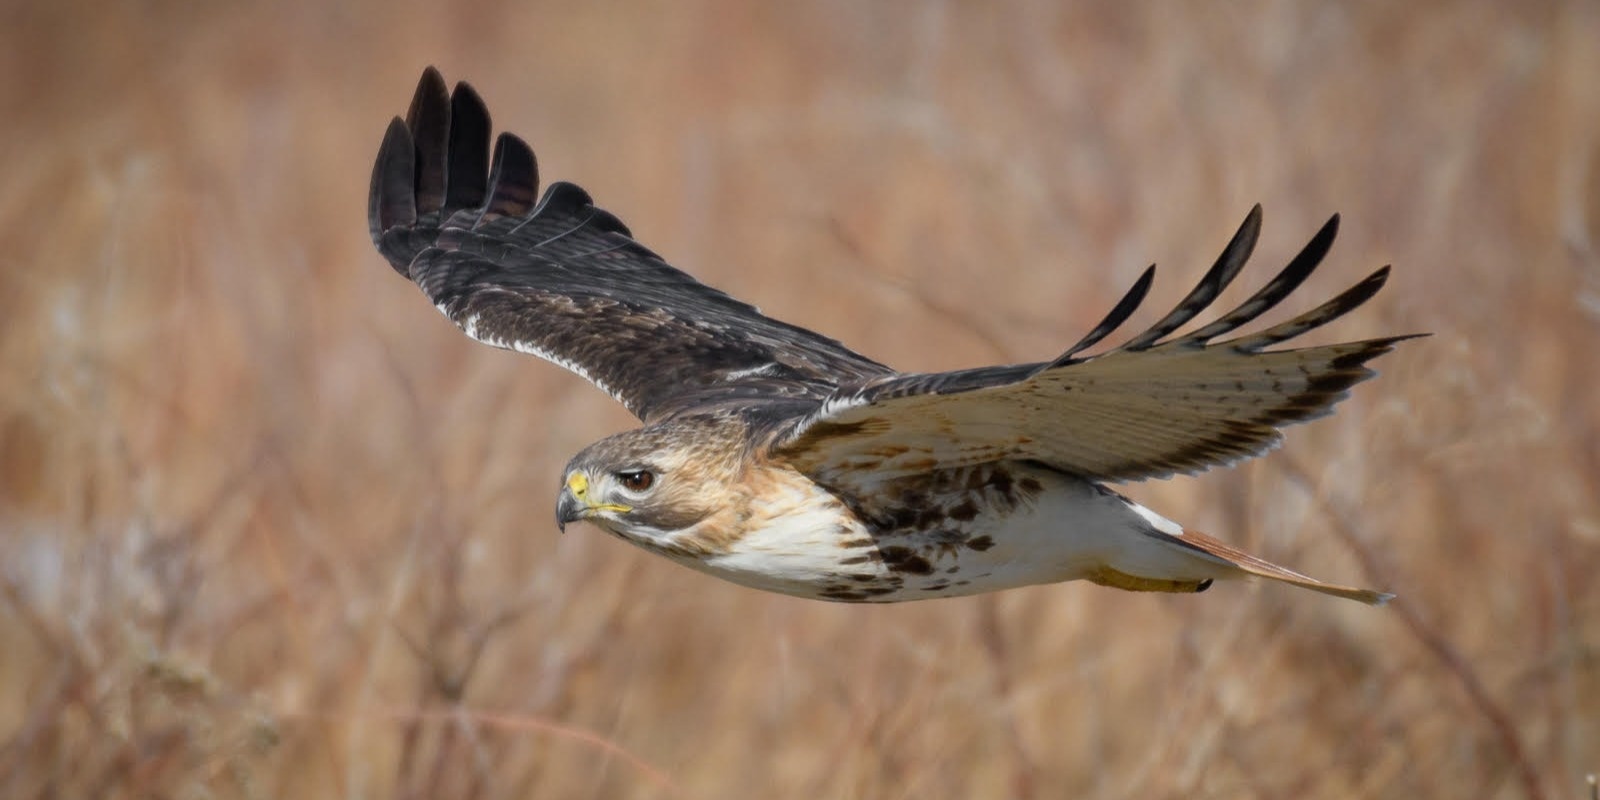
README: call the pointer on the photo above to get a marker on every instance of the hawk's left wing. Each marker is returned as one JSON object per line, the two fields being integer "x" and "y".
{"x": 1153, "y": 407}
{"x": 564, "y": 280}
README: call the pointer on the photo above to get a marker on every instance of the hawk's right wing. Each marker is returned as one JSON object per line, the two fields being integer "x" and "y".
{"x": 565, "y": 281}
{"x": 1153, "y": 407}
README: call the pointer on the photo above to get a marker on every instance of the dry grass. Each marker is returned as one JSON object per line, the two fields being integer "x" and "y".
{"x": 269, "y": 527}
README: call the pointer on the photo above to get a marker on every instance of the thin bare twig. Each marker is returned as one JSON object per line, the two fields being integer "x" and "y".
{"x": 454, "y": 716}
{"x": 1343, "y": 519}
{"x": 994, "y": 644}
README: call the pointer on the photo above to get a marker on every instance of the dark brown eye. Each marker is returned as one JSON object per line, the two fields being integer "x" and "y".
{"x": 637, "y": 481}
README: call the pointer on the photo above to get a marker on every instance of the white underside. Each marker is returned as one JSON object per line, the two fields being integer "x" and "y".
{"x": 1070, "y": 531}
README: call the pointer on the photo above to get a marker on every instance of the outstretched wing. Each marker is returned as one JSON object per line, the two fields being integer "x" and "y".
{"x": 565, "y": 281}
{"x": 1153, "y": 407}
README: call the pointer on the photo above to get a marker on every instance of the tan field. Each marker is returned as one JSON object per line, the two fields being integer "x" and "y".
{"x": 272, "y": 527}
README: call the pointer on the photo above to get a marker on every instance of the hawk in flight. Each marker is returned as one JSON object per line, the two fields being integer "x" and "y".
{"x": 778, "y": 458}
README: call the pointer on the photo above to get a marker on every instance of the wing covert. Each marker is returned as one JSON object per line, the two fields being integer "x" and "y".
{"x": 564, "y": 280}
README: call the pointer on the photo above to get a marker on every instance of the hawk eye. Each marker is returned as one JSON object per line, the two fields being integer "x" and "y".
{"x": 637, "y": 480}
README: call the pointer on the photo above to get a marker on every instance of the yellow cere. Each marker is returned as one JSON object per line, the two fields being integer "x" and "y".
{"x": 578, "y": 484}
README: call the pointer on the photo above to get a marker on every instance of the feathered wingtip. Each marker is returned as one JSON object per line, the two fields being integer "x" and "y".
{"x": 1221, "y": 274}
{"x": 391, "y": 203}
{"x": 435, "y": 162}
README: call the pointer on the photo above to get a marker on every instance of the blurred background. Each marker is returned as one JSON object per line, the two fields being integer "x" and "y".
{"x": 271, "y": 527}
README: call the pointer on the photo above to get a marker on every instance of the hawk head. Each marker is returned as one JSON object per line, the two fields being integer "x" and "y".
{"x": 649, "y": 484}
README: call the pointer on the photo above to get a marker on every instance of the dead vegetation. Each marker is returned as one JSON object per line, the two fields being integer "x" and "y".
{"x": 269, "y": 527}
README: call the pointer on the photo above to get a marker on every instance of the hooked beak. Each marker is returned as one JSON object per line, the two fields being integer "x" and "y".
{"x": 576, "y": 503}
{"x": 569, "y": 509}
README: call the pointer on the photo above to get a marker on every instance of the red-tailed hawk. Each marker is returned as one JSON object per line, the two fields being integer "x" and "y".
{"x": 779, "y": 459}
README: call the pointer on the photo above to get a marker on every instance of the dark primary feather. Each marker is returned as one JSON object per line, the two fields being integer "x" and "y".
{"x": 563, "y": 279}
{"x": 1114, "y": 318}
{"x": 1220, "y": 275}
{"x": 1153, "y": 407}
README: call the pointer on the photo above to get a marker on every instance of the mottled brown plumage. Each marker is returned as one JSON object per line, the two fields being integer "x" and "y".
{"x": 780, "y": 459}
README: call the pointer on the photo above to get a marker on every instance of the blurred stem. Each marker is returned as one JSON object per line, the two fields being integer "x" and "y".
{"x": 1342, "y": 515}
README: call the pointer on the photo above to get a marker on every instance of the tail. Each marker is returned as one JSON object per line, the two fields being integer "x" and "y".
{"x": 1222, "y": 551}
